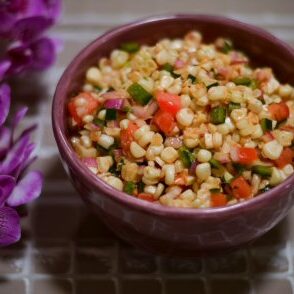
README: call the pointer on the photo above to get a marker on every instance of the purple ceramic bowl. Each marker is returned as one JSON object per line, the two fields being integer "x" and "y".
{"x": 160, "y": 229}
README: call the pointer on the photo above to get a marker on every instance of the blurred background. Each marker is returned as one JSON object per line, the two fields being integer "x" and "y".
{"x": 65, "y": 249}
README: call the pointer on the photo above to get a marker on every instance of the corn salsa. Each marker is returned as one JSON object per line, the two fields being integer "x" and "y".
{"x": 184, "y": 123}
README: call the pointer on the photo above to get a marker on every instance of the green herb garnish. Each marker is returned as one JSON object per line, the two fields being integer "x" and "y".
{"x": 110, "y": 114}
{"x": 98, "y": 122}
{"x": 232, "y": 106}
{"x": 228, "y": 46}
{"x": 266, "y": 124}
{"x": 130, "y": 187}
{"x": 192, "y": 78}
{"x": 130, "y": 47}
{"x": 212, "y": 85}
{"x": 215, "y": 163}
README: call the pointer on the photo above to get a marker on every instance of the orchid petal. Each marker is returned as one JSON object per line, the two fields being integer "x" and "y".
{"x": 30, "y": 28}
{"x": 9, "y": 226}
{"x": 17, "y": 119}
{"x": 5, "y": 135}
{"x": 4, "y": 102}
{"x": 7, "y": 22}
{"x": 7, "y": 184}
{"x": 44, "y": 53}
{"x": 20, "y": 58}
{"x": 15, "y": 156}
{"x": 47, "y": 8}
{"x": 26, "y": 190}
{"x": 5, "y": 65}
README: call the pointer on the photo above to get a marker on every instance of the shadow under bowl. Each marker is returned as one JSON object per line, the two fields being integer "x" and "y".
{"x": 160, "y": 229}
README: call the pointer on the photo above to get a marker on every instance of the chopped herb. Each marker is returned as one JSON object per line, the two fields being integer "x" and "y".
{"x": 192, "y": 78}
{"x": 218, "y": 115}
{"x": 130, "y": 187}
{"x": 110, "y": 114}
{"x": 101, "y": 150}
{"x": 245, "y": 81}
{"x": 98, "y": 122}
{"x": 116, "y": 169}
{"x": 168, "y": 67}
{"x": 263, "y": 171}
{"x": 215, "y": 191}
{"x": 266, "y": 124}
{"x": 130, "y": 47}
{"x": 215, "y": 163}
{"x": 232, "y": 106}
{"x": 239, "y": 167}
{"x": 186, "y": 156}
{"x": 140, "y": 187}
{"x": 139, "y": 94}
{"x": 228, "y": 46}
{"x": 97, "y": 88}
{"x": 212, "y": 85}
{"x": 265, "y": 189}
{"x": 127, "y": 109}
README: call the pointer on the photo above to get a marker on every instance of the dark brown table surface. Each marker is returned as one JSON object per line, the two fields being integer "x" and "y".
{"x": 65, "y": 249}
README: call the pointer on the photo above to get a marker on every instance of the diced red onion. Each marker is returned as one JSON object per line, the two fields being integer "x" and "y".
{"x": 90, "y": 161}
{"x": 145, "y": 112}
{"x": 237, "y": 58}
{"x": 179, "y": 64}
{"x": 117, "y": 153}
{"x": 192, "y": 168}
{"x": 116, "y": 103}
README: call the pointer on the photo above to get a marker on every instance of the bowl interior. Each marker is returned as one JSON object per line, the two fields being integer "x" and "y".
{"x": 262, "y": 48}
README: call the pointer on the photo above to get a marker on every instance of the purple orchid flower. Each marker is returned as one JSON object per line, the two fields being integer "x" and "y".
{"x": 17, "y": 187}
{"x": 22, "y": 24}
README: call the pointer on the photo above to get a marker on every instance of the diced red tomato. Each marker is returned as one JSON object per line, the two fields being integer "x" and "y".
{"x": 279, "y": 111}
{"x": 165, "y": 121}
{"x": 218, "y": 199}
{"x": 244, "y": 155}
{"x": 78, "y": 112}
{"x": 147, "y": 197}
{"x": 168, "y": 102}
{"x": 127, "y": 136}
{"x": 285, "y": 158}
{"x": 240, "y": 188}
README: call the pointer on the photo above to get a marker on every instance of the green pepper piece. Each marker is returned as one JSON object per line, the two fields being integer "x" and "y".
{"x": 139, "y": 94}
{"x": 232, "y": 106}
{"x": 186, "y": 156}
{"x": 263, "y": 171}
{"x": 244, "y": 81}
{"x": 266, "y": 124}
{"x": 130, "y": 47}
{"x": 110, "y": 114}
{"x": 129, "y": 187}
{"x": 212, "y": 85}
{"x": 218, "y": 115}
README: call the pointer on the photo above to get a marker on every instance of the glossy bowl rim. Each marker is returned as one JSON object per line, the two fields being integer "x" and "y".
{"x": 123, "y": 198}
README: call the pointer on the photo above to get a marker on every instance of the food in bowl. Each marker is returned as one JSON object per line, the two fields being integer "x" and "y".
{"x": 183, "y": 123}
